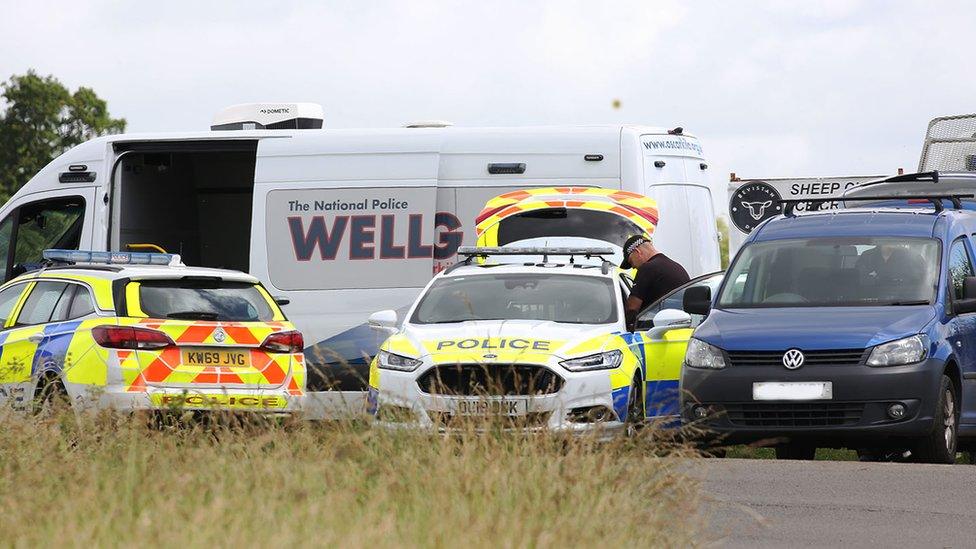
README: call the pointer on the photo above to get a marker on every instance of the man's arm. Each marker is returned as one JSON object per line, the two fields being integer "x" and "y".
{"x": 631, "y": 308}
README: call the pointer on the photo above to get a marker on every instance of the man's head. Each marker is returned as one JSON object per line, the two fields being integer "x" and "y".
{"x": 637, "y": 250}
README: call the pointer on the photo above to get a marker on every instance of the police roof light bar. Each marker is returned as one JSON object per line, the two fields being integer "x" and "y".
{"x": 485, "y": 251}
{"x": 936, "y": 200}
{"x": 111, "y": 258}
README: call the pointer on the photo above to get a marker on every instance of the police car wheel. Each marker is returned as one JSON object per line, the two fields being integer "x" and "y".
{"x": 50, "y": 395}
{"x": 635, "y": 405}
{"x": 939, "y": 446}
{"x": 796, "y": 450}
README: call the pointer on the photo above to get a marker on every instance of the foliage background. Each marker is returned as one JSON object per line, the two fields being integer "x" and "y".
{"x": 40, "y": 119}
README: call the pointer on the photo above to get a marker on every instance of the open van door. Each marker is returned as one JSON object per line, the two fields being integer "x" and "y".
{"x": 51, "y": 219}
{"x": 566, "y": 216}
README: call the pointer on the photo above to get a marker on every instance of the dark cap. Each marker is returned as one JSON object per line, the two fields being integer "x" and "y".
{"x": 631, "y": 245}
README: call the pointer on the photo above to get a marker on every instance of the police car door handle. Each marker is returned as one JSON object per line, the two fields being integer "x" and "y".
{"x": 35, "y": 338}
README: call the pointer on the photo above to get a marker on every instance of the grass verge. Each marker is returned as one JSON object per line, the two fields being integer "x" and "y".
{"x": 112, "y": 481}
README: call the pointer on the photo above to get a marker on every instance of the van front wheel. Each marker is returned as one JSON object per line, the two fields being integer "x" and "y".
{"x": 939, "y": 446}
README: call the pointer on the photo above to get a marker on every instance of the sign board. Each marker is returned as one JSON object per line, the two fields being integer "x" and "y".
{"x": 752, "y": 201}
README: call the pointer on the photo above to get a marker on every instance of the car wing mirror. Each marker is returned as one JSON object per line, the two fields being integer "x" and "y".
{"x": 672, "y": 318}
{"x": 667, "y": 320}
{"x": 697, "y": 300}
{"x": 383, "y": 321}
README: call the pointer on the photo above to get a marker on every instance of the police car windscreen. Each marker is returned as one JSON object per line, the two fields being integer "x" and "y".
{"x": 574, "y": 299}
{"x": 605, "y": 226}
{"x": 203, "y": 300}
{"x": 833, "y": 272}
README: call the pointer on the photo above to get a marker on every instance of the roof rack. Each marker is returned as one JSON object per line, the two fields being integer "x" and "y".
{"x": 919, "y": 176}
{"x": 936, "y": 200}
{"x": 471, "y": 252}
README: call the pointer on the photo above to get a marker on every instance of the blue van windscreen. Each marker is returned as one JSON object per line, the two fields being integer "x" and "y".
{"x": 833, "y": 272}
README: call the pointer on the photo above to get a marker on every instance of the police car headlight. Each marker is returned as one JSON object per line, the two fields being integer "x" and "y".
{"x": 599, "y": 361}
{"x": 390, "y": 361}
{"x": 900, "y": 352}
{"x": 702, "y": 355}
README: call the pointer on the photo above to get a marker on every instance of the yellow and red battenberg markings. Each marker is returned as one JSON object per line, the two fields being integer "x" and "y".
{"x": 166, "y": 365}
{"x": 639, "y": 209}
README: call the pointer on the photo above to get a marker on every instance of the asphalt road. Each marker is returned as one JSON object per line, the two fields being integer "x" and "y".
{"x": 766, "y": 503}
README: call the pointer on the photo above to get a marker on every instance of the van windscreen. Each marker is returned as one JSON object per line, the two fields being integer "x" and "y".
{"x": 833, "y": 272}
{"x": 553, "y": 222}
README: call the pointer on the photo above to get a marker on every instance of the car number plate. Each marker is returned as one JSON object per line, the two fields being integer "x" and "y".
{"x": 233, "y": 358}
{"x": 793, "y": 390}
{"x": 494, "y": 407}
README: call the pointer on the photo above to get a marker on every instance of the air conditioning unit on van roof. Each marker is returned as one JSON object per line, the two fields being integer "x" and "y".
{"x": 270, "y": 116}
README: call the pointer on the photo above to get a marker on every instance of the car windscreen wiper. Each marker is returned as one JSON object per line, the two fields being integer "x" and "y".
{"x": 911, "y": 302}
{"x": 194, "y": 315}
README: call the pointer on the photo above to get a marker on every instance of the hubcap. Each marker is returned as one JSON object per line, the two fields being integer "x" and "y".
{"x": 949, "y": 420}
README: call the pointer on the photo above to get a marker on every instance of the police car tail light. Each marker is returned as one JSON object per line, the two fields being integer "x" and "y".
{"x": 127, "y": 337}
{"x": 599, "y": 361}
{"x": 284, "y": 342}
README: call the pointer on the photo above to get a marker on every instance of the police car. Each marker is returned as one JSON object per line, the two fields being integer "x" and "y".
{"x": 535, "y": 345}
{"x": 142, "y": 331}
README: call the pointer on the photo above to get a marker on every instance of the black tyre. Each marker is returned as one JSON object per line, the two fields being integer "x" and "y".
{"x": 795, "y": 450}
{"x": 939, "y": 446}
{"x": 50, "y": 395}
{"x": 635, "y": 405}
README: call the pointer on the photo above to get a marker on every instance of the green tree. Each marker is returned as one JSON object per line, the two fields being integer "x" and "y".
{"x": 40, "y": 120}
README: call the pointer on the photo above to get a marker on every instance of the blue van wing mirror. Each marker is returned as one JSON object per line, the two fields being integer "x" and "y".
{"x": 968, "y": 302}
{"x": 697, "y": 300}
{"x": 969, "y": 287}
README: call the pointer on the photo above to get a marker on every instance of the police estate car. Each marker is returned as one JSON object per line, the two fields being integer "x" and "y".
{"x": 536, "y": 345}
{"x": 142, "y": 331}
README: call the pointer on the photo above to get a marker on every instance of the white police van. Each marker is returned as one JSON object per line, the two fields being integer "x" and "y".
{"x": 338, "y": 223}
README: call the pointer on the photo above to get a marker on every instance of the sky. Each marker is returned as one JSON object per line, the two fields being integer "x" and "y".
{"x": 772, "y": 89}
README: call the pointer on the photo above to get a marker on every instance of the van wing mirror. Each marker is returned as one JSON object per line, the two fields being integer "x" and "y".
{"x": 969, "y": 287}
{"x": 385, "y": 320}
{"x": 697, "y": 300}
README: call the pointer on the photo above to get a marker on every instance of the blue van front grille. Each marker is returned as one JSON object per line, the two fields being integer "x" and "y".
{"x": 833, "y": 357}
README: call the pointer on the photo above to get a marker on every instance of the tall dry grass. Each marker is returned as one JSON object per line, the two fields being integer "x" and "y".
{"x": 114, "y": 481}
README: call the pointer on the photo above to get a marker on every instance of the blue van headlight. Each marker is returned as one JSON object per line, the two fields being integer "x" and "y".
{"x": 900, "y": 352}
{"x": 702, "y": 355}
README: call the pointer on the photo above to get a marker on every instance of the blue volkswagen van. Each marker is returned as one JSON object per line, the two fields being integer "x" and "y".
{"x": 843, "y": 328}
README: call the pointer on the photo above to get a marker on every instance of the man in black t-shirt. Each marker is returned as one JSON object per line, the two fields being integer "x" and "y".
{"x": 657, "y": 274}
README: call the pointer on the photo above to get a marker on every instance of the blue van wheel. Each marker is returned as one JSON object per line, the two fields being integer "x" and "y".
{"x": 939, "y": 445}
